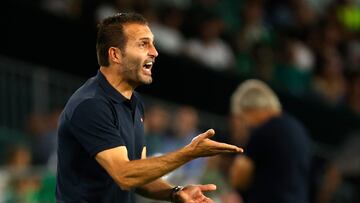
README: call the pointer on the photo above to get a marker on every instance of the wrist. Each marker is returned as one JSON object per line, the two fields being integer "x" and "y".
{"x": 188, "y": 153}
{"x": 175, "y": 192}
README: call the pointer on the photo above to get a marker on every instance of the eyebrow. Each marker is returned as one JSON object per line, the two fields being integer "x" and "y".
{"x": 146, "y": 38}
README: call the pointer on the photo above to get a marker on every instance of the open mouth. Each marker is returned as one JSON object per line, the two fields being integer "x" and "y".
{"x": 148, "y": 65}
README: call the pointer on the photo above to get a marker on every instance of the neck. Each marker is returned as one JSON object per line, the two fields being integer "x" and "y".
{"x": 117, "y": 81}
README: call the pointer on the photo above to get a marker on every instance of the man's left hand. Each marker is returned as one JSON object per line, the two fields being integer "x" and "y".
{"x": 194, "y": 194}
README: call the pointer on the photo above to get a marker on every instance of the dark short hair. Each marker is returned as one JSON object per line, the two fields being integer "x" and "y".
{"x": 111, "y": 34}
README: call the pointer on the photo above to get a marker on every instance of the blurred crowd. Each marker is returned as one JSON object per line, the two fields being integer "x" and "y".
{"x": 28, "y": 161}
{"x": 308, "y": 48}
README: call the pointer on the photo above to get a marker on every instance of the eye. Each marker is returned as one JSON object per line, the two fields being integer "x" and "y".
{"x": 143, "y": 44}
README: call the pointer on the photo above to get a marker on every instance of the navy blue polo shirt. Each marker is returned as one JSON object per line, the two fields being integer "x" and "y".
{"x": 281, "y": 151}
{"x": 96, "y": 117}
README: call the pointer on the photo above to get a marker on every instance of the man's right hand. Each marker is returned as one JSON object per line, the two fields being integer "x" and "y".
{"x": 202, "y": 146}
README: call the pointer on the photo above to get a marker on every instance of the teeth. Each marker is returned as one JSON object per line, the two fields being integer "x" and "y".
{"x": 149, "y": 63}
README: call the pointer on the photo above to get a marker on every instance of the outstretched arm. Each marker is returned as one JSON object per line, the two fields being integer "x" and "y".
{"x": 132, "y": 174}
{"x": 161, "y": 190}
{"x": 158, "y": 189}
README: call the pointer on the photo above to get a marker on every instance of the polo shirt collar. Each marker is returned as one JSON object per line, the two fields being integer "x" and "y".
{"x": 111, "y": 91}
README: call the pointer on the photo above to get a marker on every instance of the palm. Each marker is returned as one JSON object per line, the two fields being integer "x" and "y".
{"x": 194, "y": 194}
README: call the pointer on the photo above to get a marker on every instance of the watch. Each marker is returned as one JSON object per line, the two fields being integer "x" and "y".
{"x": 174, "y": 190}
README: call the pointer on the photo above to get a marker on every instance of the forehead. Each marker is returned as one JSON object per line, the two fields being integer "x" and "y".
{"x": 137, "y": 31}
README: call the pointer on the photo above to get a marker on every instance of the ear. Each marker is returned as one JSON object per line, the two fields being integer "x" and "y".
{"x": 114, "y": 55}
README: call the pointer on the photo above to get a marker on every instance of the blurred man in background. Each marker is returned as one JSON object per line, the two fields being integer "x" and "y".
{"x": 276, "y": 166}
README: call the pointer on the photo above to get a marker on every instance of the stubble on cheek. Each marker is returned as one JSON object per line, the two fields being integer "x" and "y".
{"x": 133, "y": 71}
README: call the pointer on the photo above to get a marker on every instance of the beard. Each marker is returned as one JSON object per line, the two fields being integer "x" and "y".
{"x": 133, "y": 71}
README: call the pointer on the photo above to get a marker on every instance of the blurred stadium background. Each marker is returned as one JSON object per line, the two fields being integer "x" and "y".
{"x": 307, "y": 50}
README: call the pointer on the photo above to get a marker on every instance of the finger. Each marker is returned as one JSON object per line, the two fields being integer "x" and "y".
{"x": 209, "y": 133}
{"x": 231, "y": 151}
{"x": 228, "y": 147}
{"x": 208, "y": 200}
{"x": 205, "y": 199}
{"x": 208, "y": 187}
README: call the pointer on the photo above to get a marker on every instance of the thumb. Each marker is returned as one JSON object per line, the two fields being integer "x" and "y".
{"x": 209, "y": 133}
{"x": 208, "y": 187}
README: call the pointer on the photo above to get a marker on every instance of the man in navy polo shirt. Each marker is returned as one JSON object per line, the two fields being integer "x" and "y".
{"x": 102, "y": 153}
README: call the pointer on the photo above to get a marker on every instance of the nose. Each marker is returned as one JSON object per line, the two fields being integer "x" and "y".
{"x": 153, "y": 52}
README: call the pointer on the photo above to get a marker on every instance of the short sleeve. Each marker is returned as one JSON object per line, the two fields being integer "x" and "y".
{"x": 93, "y": 124}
